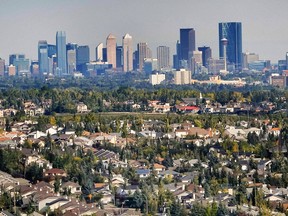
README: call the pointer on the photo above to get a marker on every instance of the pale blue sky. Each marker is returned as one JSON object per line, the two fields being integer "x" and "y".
{"x": 88, "y": 22}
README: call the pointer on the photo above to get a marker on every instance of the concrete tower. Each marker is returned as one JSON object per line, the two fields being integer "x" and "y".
{"x": 99, "y": 52}
{"x": 224, "y": 43}
{"x": 127, "y": 53}
{"x": 111, "y": 50}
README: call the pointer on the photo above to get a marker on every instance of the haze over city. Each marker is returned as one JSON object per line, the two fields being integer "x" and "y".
{"x": 89, "y": 22}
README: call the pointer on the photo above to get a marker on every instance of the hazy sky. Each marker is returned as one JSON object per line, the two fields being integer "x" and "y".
{"x": 88, "y": 22}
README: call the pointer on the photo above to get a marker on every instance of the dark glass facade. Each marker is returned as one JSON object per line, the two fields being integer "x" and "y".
{"x": 187, "y": 43}
{"x": 82, "y": 57}
{"x": 232, "y": 31}
{"x": 206, "y": 54}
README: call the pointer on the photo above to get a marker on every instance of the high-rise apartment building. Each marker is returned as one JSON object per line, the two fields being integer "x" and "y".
{"x": 143, "y": 53}
{"x": 61, "y": 53}
{"x": 232, "y": 31}
{"x": 111, "y": 50}
{"x": 127, "y": 53}
{"x": 206, "y": 54}
{"x": 82, "y": 57}
{"x": 156, "y": 79}
{"x": 182, "y": 77}
{"x": 43, "y": 57}
{"x": 187, "y": 43}
{"x": 163, "y": 56}
{"x": 99, "y": 52}
{"x": 2, "y": 67}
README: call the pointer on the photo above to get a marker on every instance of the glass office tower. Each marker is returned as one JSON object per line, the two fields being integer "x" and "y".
{"x": 232, "y": 31}
{"x": 61, "y": 53}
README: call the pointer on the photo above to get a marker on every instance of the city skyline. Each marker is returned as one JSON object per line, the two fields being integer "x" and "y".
{"x": 263, "y": 31}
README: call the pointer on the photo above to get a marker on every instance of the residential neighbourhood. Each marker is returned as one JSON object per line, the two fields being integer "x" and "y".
{"x": 155, "y": 157}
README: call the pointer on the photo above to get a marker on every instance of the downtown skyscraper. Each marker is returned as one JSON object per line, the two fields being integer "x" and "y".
{"x": 99, "y": 52}
{"x": 61, "y": 53}
{"x": 206, "y": 54}
{"x": 127, "y": 47}
{"x": 43, "y": 57}
{"x": 111, "y": 50}
{"x": 187, "y": 43}
{"x": 143, "y": 52}
{"x": 232, "y": 31}
{"x": 163, "y": 56}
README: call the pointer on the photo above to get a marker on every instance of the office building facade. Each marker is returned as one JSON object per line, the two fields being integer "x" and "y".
{"x": 206, "y": 54}
{"x": 2, "y": 67}
{"x": 99, "y": 52}
{"x": 111, "y": 50}
{"x": 82, "y": 58}
{"x": 43, "y": 57}
{"x": 61, "y": 53}
{"x": 143, "y": 52}
{"x": 163, "y": 56}
{"x": 248, "y": 58}
{"x": 119, "y": 58}
{"x": 71, "y": 57}
{"x": 127, "y": 53}
{"x": 187, "y": 43}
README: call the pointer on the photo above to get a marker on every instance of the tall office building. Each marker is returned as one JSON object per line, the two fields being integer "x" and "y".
{"x": 61, "y": 53}
{"x": 215, "y": 65}
{"x": 176, "y": 57}
{"x": 14, "y": 57}
{"x": 206, "y": 54}
{"x": 248, "y": 58}
{"x": 232, "y": 31}
{"x": 34, "y": 68}
{"x": 127, "y": 53}
{"x": 71, "y": 57}
{"x": 104, "y": 52}
{"x": 52, "y": 50}
{"x": 150, "y": 65}
{"x": 119, "y": 58}
{"x": 135, "y": 60}
{"x": 43, "y": 57}
{"x": 163, "y": 56}
{"x": 143, "y": 53}
{"x": 82, "y": 57}
{"x": 2, "y": 67}
{"x": 99, "y": 52}
{"x": 20, "y": 62}
{"x": 187, "y": 43}
{"x": 111, "y": 50}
